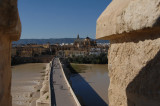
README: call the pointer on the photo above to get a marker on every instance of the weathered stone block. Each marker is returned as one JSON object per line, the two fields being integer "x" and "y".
{"x": 10, "y": 29}
{"x": 134, "y": 71}
{"x": 44, "y": 100}
{"x": 133, "y": 28}
{"x": 123, "y": 16}
{"x": 44, "y": 89}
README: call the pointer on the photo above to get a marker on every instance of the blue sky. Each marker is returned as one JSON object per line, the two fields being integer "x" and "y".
{"x": 42, "y": 19}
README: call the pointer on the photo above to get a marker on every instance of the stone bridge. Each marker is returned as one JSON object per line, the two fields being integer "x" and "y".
{"x": 133, "y": 28}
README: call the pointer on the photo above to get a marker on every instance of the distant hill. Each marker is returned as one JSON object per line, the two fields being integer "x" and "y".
{"x": 51, "y": 41}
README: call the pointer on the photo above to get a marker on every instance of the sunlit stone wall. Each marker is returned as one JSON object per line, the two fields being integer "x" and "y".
{"x": 133, "y": 28}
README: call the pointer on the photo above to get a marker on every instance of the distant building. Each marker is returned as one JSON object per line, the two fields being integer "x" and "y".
{"x": 13, "y": 52}
{"x": 24, "y": 52}
{"x": 60, "y": 53}
{"x": 46, "y": 45}
{"x": 80, "y": 47}
{"x": 95, "y": 51}
{"x": 84, "y": 43}
{"x": 30, "y": 50}
{"x": 71, "y": 53}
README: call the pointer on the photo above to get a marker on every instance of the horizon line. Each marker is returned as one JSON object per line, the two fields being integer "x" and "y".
{"x": 55, "y": 38}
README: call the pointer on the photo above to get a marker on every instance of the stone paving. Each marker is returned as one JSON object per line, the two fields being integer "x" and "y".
{"x": 63, "y": 96}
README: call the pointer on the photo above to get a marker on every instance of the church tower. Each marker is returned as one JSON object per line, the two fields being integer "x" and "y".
{"x": 78, "y": 36}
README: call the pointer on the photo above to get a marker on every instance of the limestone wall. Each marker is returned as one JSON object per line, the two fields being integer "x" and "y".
{"x": 134, "y": 71}
{"x": 124, "y": 16}
{"x": 10, "y": 29}
{"x": 132, "y": 26}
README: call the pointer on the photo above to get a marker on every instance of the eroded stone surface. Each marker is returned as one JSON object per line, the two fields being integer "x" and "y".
{"x": 5, "y": 72}
{"x": 9, "y": 21}
{"x": 44, "y": 99}
{"x": 10, "y": 29}
{"x": 133, "y": 28}
{"x": 134, "y": 71}
{"x": 128, "y": 15}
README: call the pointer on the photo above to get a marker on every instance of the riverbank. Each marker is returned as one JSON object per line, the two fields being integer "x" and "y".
{"x": 89, "y": 59}
{"x": 26, "y": 83}
{"x": 38, "y": 59}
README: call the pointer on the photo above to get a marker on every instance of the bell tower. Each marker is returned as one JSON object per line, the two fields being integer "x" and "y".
{"x": 78, "y": 36}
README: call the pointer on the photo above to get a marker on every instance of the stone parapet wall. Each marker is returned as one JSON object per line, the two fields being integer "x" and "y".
{"x": 45, "y": 94}
{"x": 5, "y": 72}
{"x": 124, "y": 16}
{"x": 133, "y": 28}
{"x": 134, "y": 71}
{"x": 10, "y": 30}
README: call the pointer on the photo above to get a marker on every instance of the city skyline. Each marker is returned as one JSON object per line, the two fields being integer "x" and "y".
{"x": 59, "y": 19}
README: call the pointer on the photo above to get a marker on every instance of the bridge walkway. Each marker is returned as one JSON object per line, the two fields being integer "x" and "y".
{"x": 63, "y": 95}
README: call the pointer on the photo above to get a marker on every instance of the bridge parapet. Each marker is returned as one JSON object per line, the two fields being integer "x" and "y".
{"x": 69, "y": 86}
{"x": 45, "y": 92}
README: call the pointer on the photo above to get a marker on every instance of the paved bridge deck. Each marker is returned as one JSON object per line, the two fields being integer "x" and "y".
{"x": 63, "y": 96}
